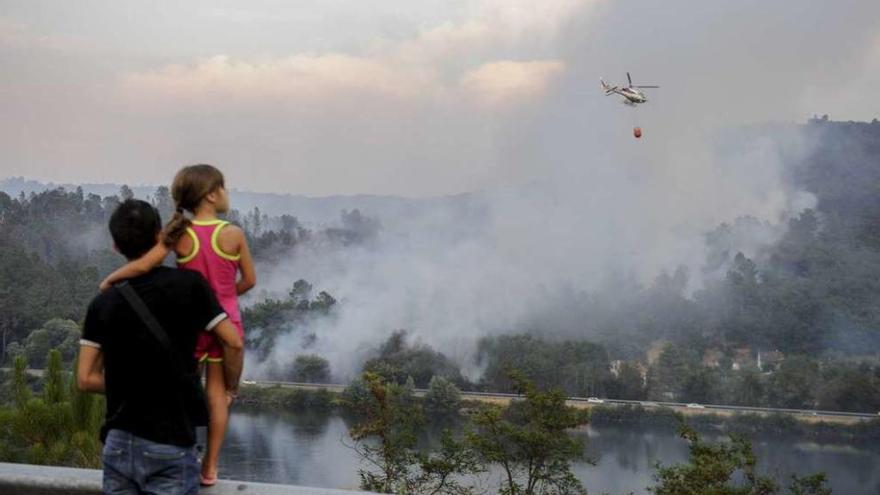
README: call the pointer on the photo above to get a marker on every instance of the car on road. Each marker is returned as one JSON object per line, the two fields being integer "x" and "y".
{"x": 648, "y": 403}
{"x": 595, "y": 400}
{"x": 249, "y": 382}
{"x": 694, "y": 405}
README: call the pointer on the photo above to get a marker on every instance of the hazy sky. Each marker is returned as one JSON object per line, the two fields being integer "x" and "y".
{"x": 405, "y": 97}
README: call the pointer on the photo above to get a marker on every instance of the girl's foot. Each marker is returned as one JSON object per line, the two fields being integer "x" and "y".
{"x": 209, "y": 478}
{"x": 206, "y": 481}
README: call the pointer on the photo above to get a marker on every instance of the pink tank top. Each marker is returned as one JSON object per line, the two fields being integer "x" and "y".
{"x": 218, "y": 268}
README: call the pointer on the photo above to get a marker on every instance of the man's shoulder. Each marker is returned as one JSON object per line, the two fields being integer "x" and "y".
{"x": 104, "y": 301}
{"x": 179, "y": 284}
{"x": 177, "y": 277}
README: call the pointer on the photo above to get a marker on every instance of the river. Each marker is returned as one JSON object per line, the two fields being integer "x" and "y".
{"x": 310, "y": 449}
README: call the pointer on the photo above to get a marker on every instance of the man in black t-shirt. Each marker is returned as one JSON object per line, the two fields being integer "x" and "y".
{"x": 153, "y": 403}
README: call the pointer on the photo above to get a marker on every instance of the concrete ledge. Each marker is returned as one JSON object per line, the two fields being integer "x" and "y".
{"x": 27, "y": 479}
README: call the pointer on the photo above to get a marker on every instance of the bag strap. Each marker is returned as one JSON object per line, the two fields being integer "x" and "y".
{"x": 146, "y": 316}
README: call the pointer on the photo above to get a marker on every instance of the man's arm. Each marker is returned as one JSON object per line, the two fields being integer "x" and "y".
{"x": 233, "y": 354}
{"x": 90, "y": 369}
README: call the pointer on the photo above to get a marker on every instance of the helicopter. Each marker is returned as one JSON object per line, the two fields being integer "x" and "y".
{"x": 631, "y": 94}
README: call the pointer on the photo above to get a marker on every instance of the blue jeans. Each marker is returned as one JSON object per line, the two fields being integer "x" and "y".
{"x": 135, "y": 466}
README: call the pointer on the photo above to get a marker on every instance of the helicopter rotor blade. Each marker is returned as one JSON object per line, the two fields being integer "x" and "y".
{"x": 629, "y": 79}
{"x": 646, "y": 86}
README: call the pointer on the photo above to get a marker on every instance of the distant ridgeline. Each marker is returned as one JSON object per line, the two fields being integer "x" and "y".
{"x": 311, "y": 211}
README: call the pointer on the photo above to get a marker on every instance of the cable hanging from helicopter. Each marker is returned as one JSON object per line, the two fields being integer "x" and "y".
{"x": 632, "y": 96}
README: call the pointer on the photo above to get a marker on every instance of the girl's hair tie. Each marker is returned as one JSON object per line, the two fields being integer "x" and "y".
{"x": 180, "y": 210}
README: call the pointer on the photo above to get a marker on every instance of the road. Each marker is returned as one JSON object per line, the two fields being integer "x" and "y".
{"x": 809, "y": 415}
{"x": 584, "y": 402}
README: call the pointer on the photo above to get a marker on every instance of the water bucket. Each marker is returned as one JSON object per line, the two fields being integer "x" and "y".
{"x": 637, "y": 132}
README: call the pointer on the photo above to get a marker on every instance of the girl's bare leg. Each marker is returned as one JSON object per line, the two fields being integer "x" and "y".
{"x": 218, "y": 409}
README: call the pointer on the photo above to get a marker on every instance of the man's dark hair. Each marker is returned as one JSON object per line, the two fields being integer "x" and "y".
{"x": 134, "y": 225}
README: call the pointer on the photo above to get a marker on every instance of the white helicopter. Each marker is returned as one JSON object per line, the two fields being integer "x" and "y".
{"x": 631, "y": 95}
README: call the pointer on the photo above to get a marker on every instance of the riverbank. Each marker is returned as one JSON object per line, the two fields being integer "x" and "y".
{"x": 283, "y": 398}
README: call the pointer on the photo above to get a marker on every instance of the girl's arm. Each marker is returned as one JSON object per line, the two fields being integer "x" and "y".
{"x": 140, "y": 266}
{"x": 246, "y": 264}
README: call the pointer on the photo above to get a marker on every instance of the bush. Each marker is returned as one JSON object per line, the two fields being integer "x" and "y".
{"x": 60, "y": 427}
{"x": 310, "y": 368}
{"x": 292, "y": 399}
{"x": 443, "y": 398}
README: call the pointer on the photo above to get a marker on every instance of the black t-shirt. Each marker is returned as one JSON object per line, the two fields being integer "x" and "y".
{"x": 143, "y": 385}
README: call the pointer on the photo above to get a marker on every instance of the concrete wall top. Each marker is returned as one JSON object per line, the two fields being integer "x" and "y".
{"x": 27, "y": 479}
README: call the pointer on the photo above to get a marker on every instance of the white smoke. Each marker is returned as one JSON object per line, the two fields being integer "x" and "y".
{"x": 450, "y": 278}
{"x": 577, "y": 197}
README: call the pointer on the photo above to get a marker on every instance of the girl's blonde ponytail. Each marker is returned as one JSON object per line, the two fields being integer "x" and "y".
{"x": 175, "y": 228}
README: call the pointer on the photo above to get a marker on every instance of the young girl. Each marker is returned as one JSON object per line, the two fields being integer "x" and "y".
{"x": 218, "y": 251}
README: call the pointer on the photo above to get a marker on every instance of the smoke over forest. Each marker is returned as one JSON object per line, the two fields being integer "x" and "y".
{"x": 522, "y": 202}
{"x": 580, "y": 259}
{"x": 580, "y": 215}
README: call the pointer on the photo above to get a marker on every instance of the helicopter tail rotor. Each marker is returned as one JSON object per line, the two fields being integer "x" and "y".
{"x": 608, "y": 89}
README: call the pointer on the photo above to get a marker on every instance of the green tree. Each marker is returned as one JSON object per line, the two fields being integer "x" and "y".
{"x": 14, "y": 350}
{"x": 851, "y": 389}
{"x": 60, "y": 427}
{"x": 629, "y": 383}
{"x": 576, "y": 367}
{"x": 725, "y": 468}
{"x": 396, "y": 360}
{"x": 125, "y": 193}
{"x": 711, "y": 470}
{"x": 701, "y": 385}
{"x": 301, "y": 291}
{"x": 163, "y": 202}
{"x": 795, "y": 384}
{"x": 56, "y": 333}
{"x": 748, "y": 389}
{"x": 529, "y": 440}
{"x": 443, "y": 399}
{"x": 809, "y": 485}
{"x": 668, "y": 377}
{"x": 54, "y": 390}
{"x": 386, "y": 435}
{"x": 443, "y": 471}
{"x": 20, "y": 387}
{"x": 310, "y": 368}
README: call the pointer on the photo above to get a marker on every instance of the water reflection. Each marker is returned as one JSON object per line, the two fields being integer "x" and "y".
{"x": 305, "y": 449}
{"x": 310, "y": 449}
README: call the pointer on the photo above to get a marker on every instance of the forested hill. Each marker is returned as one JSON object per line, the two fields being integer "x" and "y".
{"x": 827, "y": 266}
{"x": 814, "y": 292}
{"x": 55, "y": 248}
{"x": 843, "y": 171}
